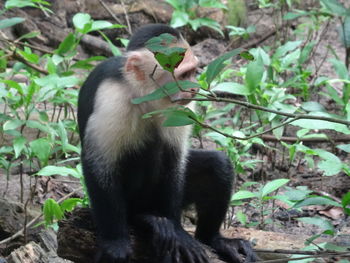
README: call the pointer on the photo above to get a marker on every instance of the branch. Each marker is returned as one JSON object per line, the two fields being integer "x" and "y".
{"x": 226, "y": 97}
{"x": 35, "y": 67}
{"x": 268, "y": 137}
{"x": 243, "y": 138}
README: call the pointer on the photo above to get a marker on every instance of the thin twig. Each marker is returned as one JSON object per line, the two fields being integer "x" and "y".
{"x": 272, "y": 138}
{"x": 110, "y": 11}
{"x": 35, "y": 67}
{"x": 225, "y": 97}
{"x": 244, "y": 138}
{"x": 323, "y": 255}
{"x": 126, "y": 17}
{"x": 14, "y": 42}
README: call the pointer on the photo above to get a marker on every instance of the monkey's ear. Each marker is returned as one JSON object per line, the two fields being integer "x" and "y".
{"x": 134, "y": 64}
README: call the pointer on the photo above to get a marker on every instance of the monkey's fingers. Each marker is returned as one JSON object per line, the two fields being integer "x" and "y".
{"x": 164, "y": 237}
{"x": 195, "y": 255}
{"x": 244, "y": 247}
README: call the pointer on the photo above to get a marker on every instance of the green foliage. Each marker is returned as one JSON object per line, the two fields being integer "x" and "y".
{"x": 166, "y": 90}
{"x": 185, "y": 14}
{"x": 8, "y": 22}
{"x": 39, "y": 117}
{"x": 260, "y": 198}
{"x": 241, "y": 32}
{"x": 54, "y": 211}
{"x": 216, "y": 66}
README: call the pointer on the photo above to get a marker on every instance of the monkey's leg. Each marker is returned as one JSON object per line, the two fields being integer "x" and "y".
{"x": 109, "y": 212}
{"x": 208, "y": 184}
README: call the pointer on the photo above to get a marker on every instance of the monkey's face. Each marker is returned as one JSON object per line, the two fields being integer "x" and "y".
{"x": 145, "y": 74}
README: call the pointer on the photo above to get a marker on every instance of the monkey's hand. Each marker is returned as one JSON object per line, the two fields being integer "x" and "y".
{"x": 188, "y": 250}
{"x": 113, "y": 251}
{"x": 160, "y": 229}
{"x": 231, "y": 250}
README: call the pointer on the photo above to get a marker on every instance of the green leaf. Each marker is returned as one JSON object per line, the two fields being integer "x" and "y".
{"x": 52, "y": 211}
{"x": 67, "y": 44}
{"x": 331, "y": 164}
{"x": 318, "y": 221}
{"x": 8, "y": 22}
{"x": 18, "y": 3}
{"x": 170, "y": 62}
{"x": 317, "y": 200}
{"x": 305, "y": 53}
{"x": 12, "y": 124}
{"x": 340, "y": 69}
{"x": 244, "y": 194}
{"x": 345, "y": 31}
{"x": 80, "y": 20}
{"x": 85, "y": 64}
{"x": 42, "y": 127}
{"x": 18, "y": 145}
{"x": 58, "y": 170}
{"x": 212, "y": 4}
{"x": 41, "y": 148}
{"x": 254, "y": 74}
{"x": 335, "y": 7}
{"x": 344, "y": 147}
{"x": 30, "y": 57}
{"x": 43, "y": 116}
{"x": 345, "y": 201}
{"x": 204, "y": 21}
{"x": 291, "y": 58}
{"x": 115, "y": 50}
{"x": 69, "y": 204}
{"x": 216, "y": 66}
{"x": 29, "y": 35}
{"x": 247, "y": 55}
{"x": 168, "y": 89}
{"x": 178, "y": 118}
{"x": 179, "y": 19}
{"x": 174, "y": 3}
{"x": 288, "y": 47}
{"x": 161, "y": 43}
{"x": 312, "y": 106}
{"x": 100, "y": 24}
{"x": 273, "y": 186}
{"x": 320, "y": 124}
{"x": 232, "y": 87}
{"x": 242, "y": 218}
{"x": 291, "y": 16}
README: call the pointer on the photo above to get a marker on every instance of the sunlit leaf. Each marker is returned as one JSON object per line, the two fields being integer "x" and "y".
{"x": 273, "y": 186}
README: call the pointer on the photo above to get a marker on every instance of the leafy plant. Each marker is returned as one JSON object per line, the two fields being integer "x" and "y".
{"x": 38, "y": 121}
{"x": 185, "y": 14}
{"x": 240, "y": 31}
{"x": 259, "y": 198}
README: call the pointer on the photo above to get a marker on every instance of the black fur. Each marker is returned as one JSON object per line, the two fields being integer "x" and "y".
{"x": 148, "y": 187}
{"x": 145, "y": 33}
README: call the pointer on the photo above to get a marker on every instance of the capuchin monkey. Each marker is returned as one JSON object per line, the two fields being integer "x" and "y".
{"x": 140, "y": 174}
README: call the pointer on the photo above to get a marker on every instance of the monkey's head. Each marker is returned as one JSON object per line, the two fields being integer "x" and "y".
{"x": 145, "y": 74}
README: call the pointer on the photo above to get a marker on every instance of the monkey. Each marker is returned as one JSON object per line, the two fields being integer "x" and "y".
{"x": 140, "y": 174}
